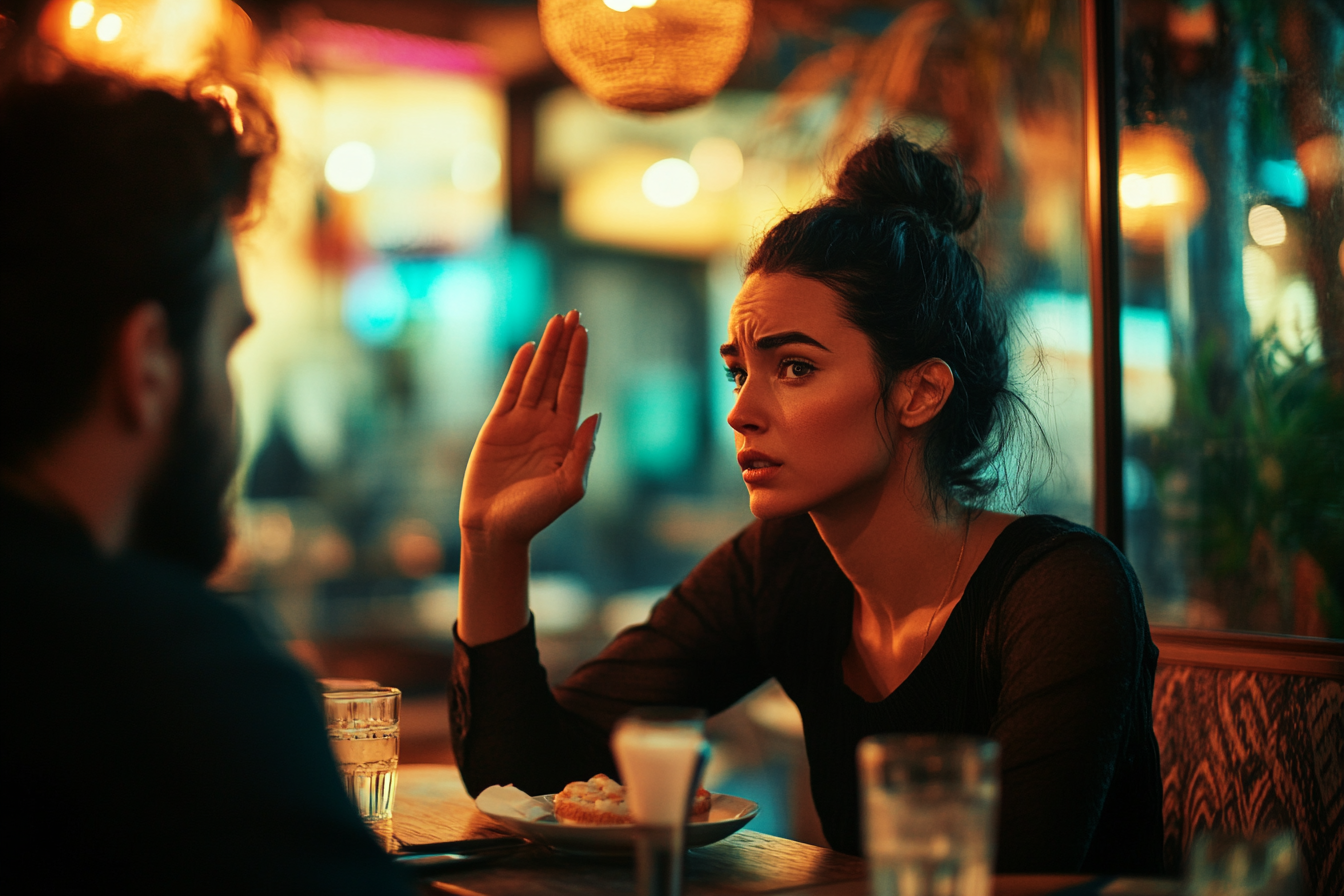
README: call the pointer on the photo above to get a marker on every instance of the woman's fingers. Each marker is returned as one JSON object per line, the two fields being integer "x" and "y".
{"x": 574, "y": 471}
{"x": 570, "y": 397}
{"x": 513, "y": 381}
{"x": 540, "y": 370}
{"x": 558, "y": 362}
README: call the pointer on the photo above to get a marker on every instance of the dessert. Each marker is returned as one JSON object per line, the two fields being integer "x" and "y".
{"x": 600, "y": 800}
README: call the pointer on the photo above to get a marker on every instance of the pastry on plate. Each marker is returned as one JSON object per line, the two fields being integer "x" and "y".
{"x": 600, "y": 800}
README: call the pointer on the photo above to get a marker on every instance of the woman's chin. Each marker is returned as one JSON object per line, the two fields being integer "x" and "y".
{"x": 767, "y": 506}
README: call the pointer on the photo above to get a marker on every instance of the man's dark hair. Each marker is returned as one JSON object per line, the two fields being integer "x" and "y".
{"x": 113, "y": 195}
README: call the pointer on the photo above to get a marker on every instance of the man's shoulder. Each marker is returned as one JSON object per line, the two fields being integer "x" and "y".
{"x": 73, "y": 608}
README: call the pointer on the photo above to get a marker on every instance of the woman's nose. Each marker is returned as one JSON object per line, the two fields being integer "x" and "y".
{"x": 746, "y": 414}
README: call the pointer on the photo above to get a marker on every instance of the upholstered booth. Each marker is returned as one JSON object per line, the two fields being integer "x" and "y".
{"x": 1252, "y": 737}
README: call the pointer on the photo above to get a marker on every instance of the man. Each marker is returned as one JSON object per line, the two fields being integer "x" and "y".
{"x": 159, "y": 744}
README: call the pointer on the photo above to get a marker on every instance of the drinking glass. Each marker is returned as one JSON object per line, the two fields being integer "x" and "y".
{"x": 346, "y": 684}
{"x": 661, "y": 753}
{"x": 929, "y": 804}
{"x": 364, "y": 729}
{"x": 1266, "y": 863}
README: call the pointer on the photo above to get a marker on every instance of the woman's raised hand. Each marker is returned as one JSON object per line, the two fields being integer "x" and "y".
{"x": 530, "y": 462}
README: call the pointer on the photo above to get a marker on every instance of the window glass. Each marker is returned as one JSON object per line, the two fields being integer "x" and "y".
{"x": 1232, "y": 328}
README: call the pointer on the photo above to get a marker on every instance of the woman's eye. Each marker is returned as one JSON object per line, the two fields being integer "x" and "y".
{"x": 736, "y": 374}
{"x": 796, "y": 369}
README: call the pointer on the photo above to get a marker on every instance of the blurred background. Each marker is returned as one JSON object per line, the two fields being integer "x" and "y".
{"x": 443, "y": 186}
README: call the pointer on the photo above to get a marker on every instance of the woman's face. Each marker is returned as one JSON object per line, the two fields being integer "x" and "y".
{"x": 807, "y": 391}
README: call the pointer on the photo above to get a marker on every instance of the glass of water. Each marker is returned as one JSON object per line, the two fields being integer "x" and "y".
{"x": 364, "y": 729}
{"x": 929, "y": 805}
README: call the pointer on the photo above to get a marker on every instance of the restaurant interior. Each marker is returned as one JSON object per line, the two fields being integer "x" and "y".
{"x": 1165, "y": 223}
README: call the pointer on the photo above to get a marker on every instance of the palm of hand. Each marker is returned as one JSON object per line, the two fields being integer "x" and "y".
{"x": 529, "y": 463}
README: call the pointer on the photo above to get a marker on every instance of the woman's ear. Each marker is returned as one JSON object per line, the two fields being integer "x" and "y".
{"x": 921, "y": 392}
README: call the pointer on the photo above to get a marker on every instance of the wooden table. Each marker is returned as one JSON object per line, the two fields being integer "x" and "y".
{"x": 432, "y": 805}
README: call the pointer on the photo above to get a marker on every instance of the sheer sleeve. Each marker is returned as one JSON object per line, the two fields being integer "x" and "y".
{"x": 698, "y": 648}
{"x": 1071, "y": 636}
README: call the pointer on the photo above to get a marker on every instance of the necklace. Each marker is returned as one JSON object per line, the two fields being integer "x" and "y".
{"x": 924, "y": 645}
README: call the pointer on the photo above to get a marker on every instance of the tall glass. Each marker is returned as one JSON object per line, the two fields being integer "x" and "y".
{"x": 929, "y": 804}
{"x": 661, "y": 753}
{"x": 365, "y": 731}
{"x": 1266, "y": 863}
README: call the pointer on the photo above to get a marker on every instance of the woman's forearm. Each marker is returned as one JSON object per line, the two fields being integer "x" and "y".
{"x": 492, "y": 588}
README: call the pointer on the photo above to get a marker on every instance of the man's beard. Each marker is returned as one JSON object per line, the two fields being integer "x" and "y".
{"x": 182, "y": 517}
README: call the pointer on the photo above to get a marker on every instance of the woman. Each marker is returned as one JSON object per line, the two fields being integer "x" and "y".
{"x": 871, "y": 398}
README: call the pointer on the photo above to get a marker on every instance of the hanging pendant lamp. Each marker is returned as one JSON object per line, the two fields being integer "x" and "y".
{"x": 647, "y": 55}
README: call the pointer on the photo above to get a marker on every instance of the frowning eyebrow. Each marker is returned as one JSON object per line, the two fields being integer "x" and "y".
{"x": 765, "y": 343}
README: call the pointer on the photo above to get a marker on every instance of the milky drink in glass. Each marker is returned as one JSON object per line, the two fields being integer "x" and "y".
{"x": 364, "y": 730}
{"x": 929, "y": 808}
{"x": 661, "y": 753}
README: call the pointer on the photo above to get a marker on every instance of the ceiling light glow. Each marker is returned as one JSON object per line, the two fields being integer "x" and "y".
{"x": 109, "y": 26}
{"x": 670, "y": 183}
{"x": 718, "y": 162}
{"x": 81, "y": 14}
{"x": 350, "y": 167}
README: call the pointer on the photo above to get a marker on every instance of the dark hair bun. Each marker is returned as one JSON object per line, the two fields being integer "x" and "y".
{"x": 889, "y": 173}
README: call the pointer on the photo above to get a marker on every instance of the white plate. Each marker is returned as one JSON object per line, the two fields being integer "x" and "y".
{"x": 727, "y": 815}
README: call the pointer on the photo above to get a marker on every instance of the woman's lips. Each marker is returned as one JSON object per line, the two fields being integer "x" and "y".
{"x": 757, "y": 466}
{"x": 757, "y": 475}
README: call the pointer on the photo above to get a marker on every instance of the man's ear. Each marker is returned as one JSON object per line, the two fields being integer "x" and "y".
{"x": 921, "y": 392}
{"x": 146, "y": 371}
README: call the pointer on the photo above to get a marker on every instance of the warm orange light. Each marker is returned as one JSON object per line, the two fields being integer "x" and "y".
{"x": 670, "y": 183}
{"x": 646, "y": 56}
{"x": 148, "y": 40}
{"x": 1135, "y": 191}
{"x": 718, "y": 161}
{"x": 1160, "y": 184}
{"x": 108, "y": 28}
{"x": 81, "y": 14}
{"x": 350, "y": 167}
{"x": 227, "y": 96}
{"x": 416, "y": 549}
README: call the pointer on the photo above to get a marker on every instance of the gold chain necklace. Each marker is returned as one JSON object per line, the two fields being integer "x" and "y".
{"x": 966, "y": 536}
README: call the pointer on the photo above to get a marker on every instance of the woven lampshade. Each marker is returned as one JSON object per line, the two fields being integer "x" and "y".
{"x": 648, "y": 58}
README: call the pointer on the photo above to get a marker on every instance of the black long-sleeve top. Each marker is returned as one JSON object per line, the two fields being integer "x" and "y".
{"x": 158, "y": 743}
{"x": 1047, "y": 652}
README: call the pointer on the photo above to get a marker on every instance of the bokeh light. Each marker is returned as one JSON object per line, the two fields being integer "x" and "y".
{"x": 670, "y": 183}
{"x": 109, "y": 27}
{"x": 81, "y": 14}
{"x": 375, "y": 305}
{"x": 718, "y": 162}
{"x": 1135, "y": 191}
{"x": 476, "y": 168}
{"x": 1267, "y": 226}
{"x": 350, "y": 167}
{"x": 1165, "y": 189}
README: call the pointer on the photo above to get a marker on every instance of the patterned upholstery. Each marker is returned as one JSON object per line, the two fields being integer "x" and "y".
{"x": 1245, "y": 751}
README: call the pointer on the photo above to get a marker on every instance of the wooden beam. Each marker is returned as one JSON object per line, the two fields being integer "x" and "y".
{"x": 1280, "y": 654}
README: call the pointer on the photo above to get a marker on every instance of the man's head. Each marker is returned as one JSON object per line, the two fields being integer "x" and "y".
{"x": 120, "y": 294}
